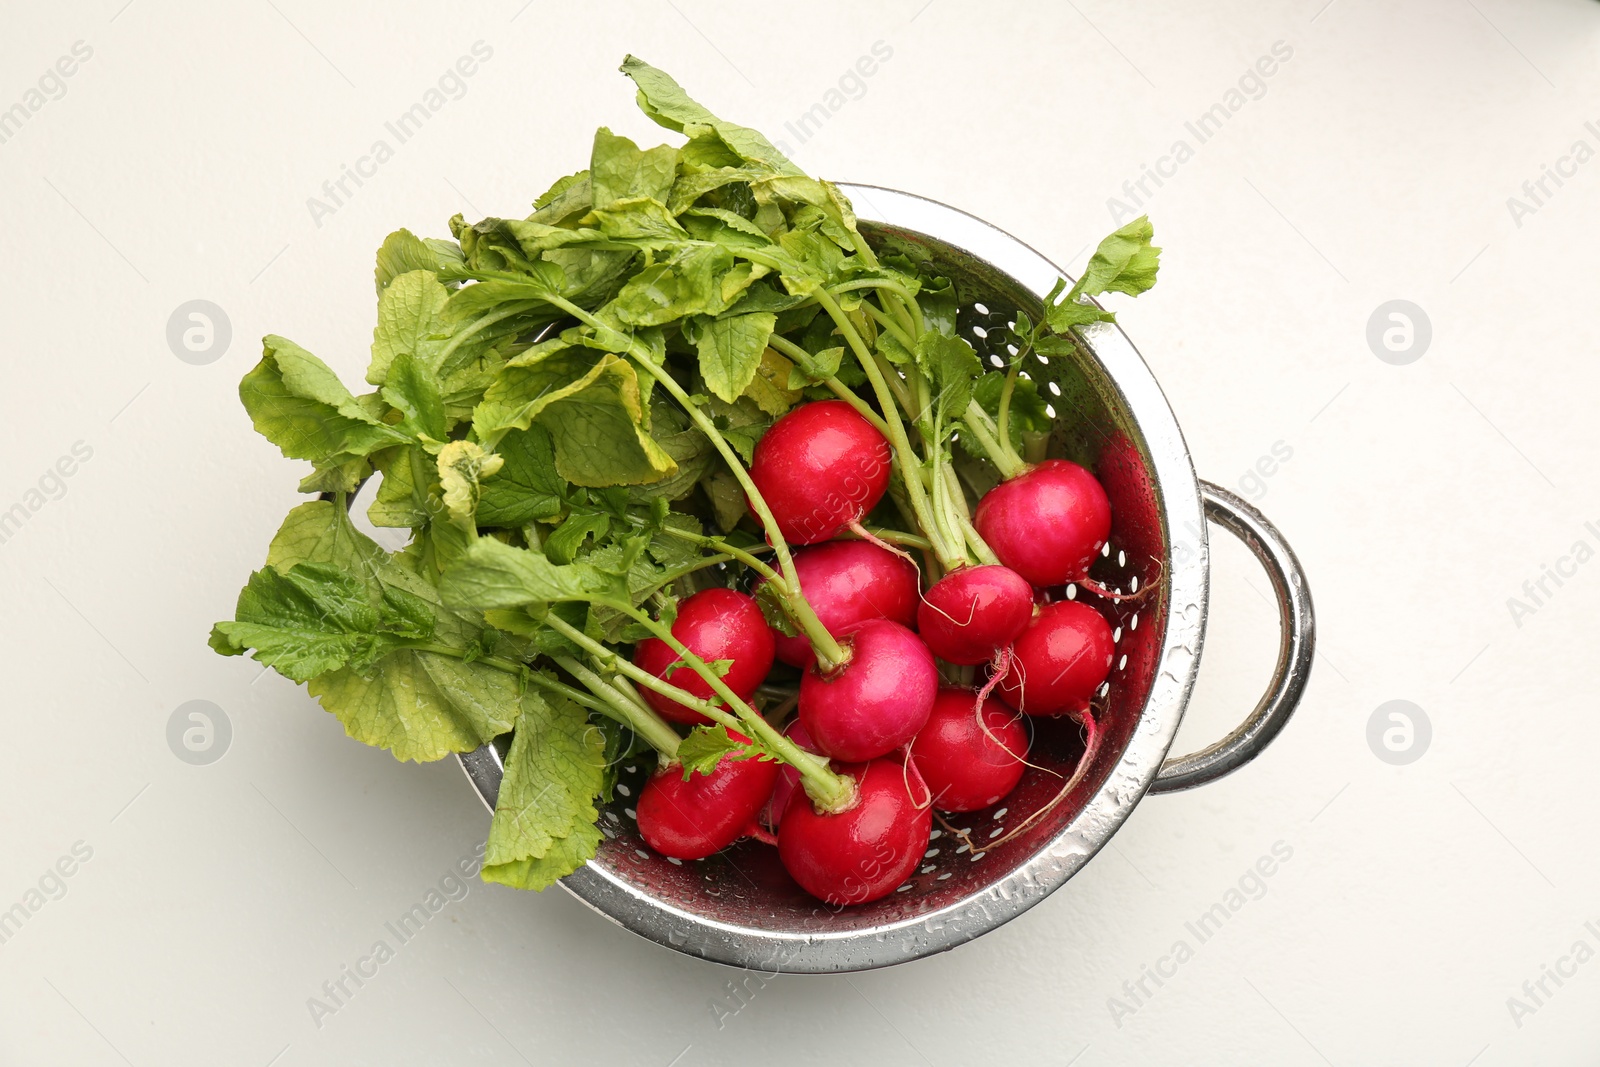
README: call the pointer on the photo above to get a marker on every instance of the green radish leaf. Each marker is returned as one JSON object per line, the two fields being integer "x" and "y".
{"x": 568, "y": 197}
{"x": 316, "y": 618}
{"x": 774, "y": 611}
{"x": 563, "y": 545}
{"x": 337, "y": 477}
{"x": 403, "y": 252}
{"x": 672, "y": 551}
{"x": 1125, "y": 262}
{"x": 770, "y": 386}
{"x": 707, "y": 746}
{"x": 526, "y": 488}
{"x": 566, "y": 855}
{"x": 592, "y": 409}
{"x": 492, "y": 574}
{"x": 952, "y": 366}
{"x": 642, "y": 222}
{"x": 298, "y": 404}
{"x": 544, "y": 819}
{"x": 1028, "y": 413}
{"x": 418, "y": 705}
{"x": 824, "y": 365}
{"x": 687, "y": 283}
{"x": 411, "y": 321}
{"x": 400, "y": 502}
{"x": 730, "y": 348}
{"x": 664, "y": 100}
{"x": 619, "y": 170}
{"x": 726, "y": 496}
{"x": 1069, "y": 313}
{"x": 690, "y": 449}
{"x": 414, "y": 392}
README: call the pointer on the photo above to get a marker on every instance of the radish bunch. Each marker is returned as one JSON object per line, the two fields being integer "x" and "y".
{"x": 692, "y": 467}
{"x": 882, "y": 708}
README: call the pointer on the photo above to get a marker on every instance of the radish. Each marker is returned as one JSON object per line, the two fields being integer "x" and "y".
{"x": 690, "y": 818}
{"x": 788, "y": 778}
{"x": 968, "y": 764}
{"x": 714, "y": 624}
{"x": 865, "y": 851}
{"x": 1059, "y": 660}
{"x": 847, "y": 582}
{"x": 972, "y": 613}
{"x": 820, "y": 468}
{"x": 1047, "y": 523}
{"x": 878, "y": 700}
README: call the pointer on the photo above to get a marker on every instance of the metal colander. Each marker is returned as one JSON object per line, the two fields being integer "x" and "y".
{"x": 740, "y": 907}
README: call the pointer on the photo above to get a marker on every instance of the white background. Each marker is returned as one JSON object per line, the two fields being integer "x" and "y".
{"x": 1376, "y": 166}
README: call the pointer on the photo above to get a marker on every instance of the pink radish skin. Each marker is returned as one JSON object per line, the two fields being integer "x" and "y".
{"x": 1059, "y": 660}
{"x": 866, "y": 851}
{"x": 690, "y": 820}
{"x": 972, "y": 613}
{"x": 820, "y": 468}
{"x": 878, "y": 700}
{"x": 788, "y": 780}
{"x": 964, "y": 768}
{"x": 714, "y": 624}
{"x": 847, "y": 582}
{"x": 1048, "y": 523}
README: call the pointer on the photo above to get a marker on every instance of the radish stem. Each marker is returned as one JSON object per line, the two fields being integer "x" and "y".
{"x": 831, "y": 791}
{"x": 828, "y": 651}
{"x": 911, "y": 473}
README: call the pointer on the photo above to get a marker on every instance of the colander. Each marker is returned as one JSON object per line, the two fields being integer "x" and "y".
{"x": 739, "y": 907}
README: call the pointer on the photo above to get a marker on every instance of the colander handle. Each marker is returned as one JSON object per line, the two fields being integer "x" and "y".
{"x": 1297, "y": 628}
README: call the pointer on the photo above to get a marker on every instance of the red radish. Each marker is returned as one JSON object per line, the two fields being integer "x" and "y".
{"x": 820, "y": 468}
{"x": 864, "y": 852}
{"x": 1048, "y": 523}
{"x": 847, "y": 582}
{"x": 714, "y": 624}
{"x": 878, "y": 700}
{"x": 1059, "y": 660}
{"x": 965, "y": 767}
{"x": 783, "y": 790}
{"x": 692, "y": 819}
{"x": 972, "y": 613}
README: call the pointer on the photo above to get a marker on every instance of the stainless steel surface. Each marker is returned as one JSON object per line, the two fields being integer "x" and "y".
{"x": 739, "y": 907}
{"x": 1296, "y": 645}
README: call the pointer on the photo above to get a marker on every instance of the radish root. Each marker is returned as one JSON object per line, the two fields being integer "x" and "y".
{"x": 1095, "y": 734}
{"x": 908, "y": 771}
{"x": 872, "y": 538}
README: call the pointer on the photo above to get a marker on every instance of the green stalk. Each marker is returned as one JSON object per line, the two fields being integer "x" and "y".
{"x": 900, "y": 388}
{"x": 910, "y": 474}
{"x": 644, "y": 721}
{"x": 975, "y": 541}
{"x": 978, "y": 424}
{"x": 945, "y": 509}
{"x": 888, "y": 322}
{"x": 698, "y": 565}
{"x": 831, "y": 792}
{"x": 840, "y": 390}
{"x": 1003, "y": 422}
{"x": 497, "y": 663}
{"x": 641, "y": 720}
{"x": 829, "y": 653}
{"x": 482, "y": 323}
{"x": 644, "y": 678}
{"x": 893, "y": 537}
{"x": 727, "y": 551}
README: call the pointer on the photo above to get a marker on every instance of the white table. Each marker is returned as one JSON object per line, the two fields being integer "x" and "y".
{"x": 207, "y": 903}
